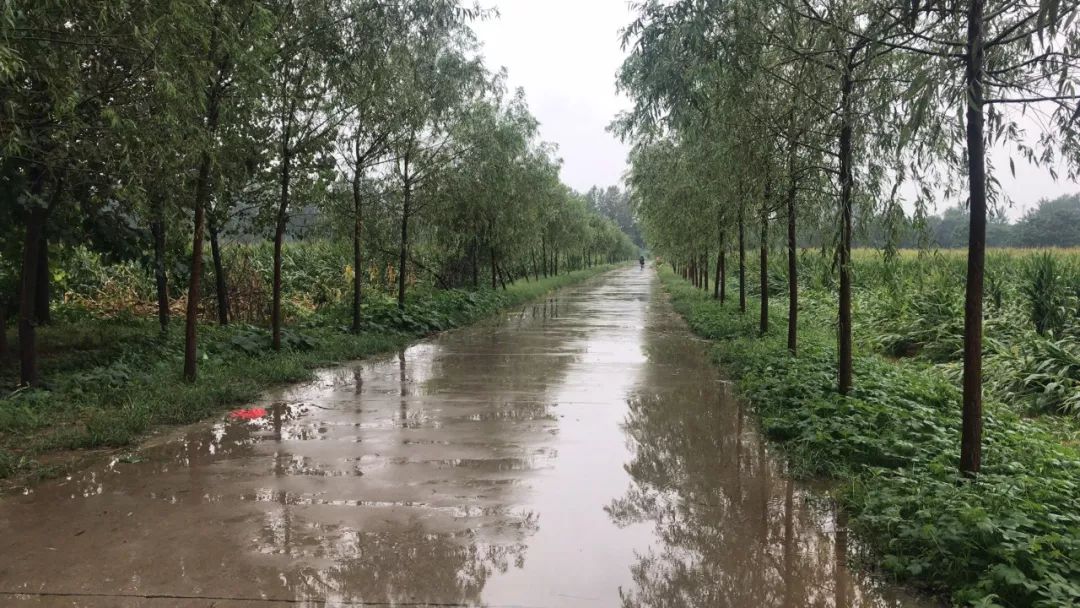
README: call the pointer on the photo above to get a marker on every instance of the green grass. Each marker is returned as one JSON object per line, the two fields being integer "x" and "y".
{"x": 1009, "y": 538}
{"x": 108, "y": 382}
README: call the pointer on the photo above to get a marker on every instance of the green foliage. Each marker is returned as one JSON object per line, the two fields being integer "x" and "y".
{"x": 1009, "y": 538}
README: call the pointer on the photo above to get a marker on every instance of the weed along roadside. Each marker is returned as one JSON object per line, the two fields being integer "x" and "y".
{"x": 114, "y": 381}
{"x": 1009, "y": 537}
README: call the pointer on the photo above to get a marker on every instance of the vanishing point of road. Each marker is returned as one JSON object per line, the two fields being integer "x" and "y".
{"x": 581, "y": 450}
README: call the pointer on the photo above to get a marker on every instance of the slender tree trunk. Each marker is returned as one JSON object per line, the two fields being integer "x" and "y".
{"x": 763, "y": 320}
{"x": 161, "y": 278}
{"x": 221, "y": 283}
{"x": 721, "y": 280}
{"x": 971, "y": 437}
{"x": 475, "y": 262}
{"x": 543, "y": 255}
{"x": 494, "y": 270}
{"x": 202, "y": 195}
{"x": 502, "y": 276}
{"x": 742, "y": 260}
{"x": 845, "y": 368}
{"x": 31, "y": 255}
{"x": 358, "y": 256}
{"x": 403, "y": 254}
{"x": 705, "y": 270}
{"x": 4, "y": 349}
{"x": 279, "y": 243}
{"x": 42, "y": 295}
{"x": 792, "y": 265}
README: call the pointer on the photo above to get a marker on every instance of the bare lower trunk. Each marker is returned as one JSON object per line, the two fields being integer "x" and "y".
{"x": 723, "y": 276}
{"x": 763, "y": 319}
{"x": 31, "y": 255}
{"x": 403, "y": 253}
{"x": 793, "y": 278}
{"x": 4, "y": 349}
{"x": 202, "y": 194}
{"x": 845, "y": 368}
{"x": 971, "y": 436}
{"x": 221, "y": 284}
{"x": 42, "y": 292}
{"x": 280, "y": 223}
{"x": 742, "y": 261}
{"x": 494, "y": 269}
{"x": 543, "y": 256}
{"x": 705, "y": 270}
{"x": 474, "y": 257}
{"x": 358, "y": 261}
{"x": 161, "y": 278}
{"x": 717, "y": 286}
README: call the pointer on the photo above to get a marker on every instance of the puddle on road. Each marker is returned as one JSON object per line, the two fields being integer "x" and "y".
{"x": 577, "y": 452}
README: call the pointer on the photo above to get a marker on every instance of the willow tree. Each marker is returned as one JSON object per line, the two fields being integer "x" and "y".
{"x": 438, "y": 78}
{"x": 980, "y": 66}
{"x": 71, "y": 75}
{"x": 230, "y": 41}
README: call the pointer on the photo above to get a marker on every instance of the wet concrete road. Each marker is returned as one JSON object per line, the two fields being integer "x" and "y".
{"x": 581, "y": 451}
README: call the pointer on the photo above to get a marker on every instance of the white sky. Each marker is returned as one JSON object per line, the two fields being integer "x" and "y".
{"x": 565, "y": 54}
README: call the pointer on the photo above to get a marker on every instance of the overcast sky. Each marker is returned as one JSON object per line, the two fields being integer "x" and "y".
{"x": 565, "y": 54}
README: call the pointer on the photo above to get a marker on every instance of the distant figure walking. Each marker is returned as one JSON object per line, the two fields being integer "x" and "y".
{"x": 641, "y": 260}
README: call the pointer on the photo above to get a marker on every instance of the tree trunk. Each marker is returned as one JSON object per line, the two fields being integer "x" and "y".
{"x": 721, "y": 280}
{"x": 494, "y": 270}
{"x": 31, "y": 255}
{"x": 202, "y": 195}
{"x": 281, "y": 221}
{"x": 42, "y": 295}
{"x": 161, "y": 278}
{"x": 705, "y": 271}
{"x": 403, "y": 253}
{"x": 763, "y": 320}
{"x": 3, "y": 333}
{"x": 474, "y": 257}
{"x": 221, "y": 284}
{"x": 358, "y": 261}
{"x": 971, "y": 436}
{"x": 792, "y": 266}
{"x": 543, "y": 255}
{"x": 742, "y": 260}
{"x": 845, "y": 368}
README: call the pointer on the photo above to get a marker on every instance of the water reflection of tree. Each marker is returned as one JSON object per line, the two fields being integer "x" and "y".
{"x": 406, "y": 564}
{"x": 732, "y": 531}
{"x": 493, "y": 380}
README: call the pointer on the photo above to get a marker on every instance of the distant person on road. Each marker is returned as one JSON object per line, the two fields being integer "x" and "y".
{"x": 641, "y": 260}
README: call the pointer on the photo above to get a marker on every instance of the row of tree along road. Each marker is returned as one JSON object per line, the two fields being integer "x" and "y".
{"x": 814, "y": 112}
{"x": 135, "y": 128}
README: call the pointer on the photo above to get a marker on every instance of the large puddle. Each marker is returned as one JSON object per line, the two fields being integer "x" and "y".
{"x": 580, "y": 451}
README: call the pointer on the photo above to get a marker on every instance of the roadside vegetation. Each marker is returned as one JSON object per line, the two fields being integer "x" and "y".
{"x": 202, "y": 197}
{"x": 941, "y": 387}
{"x": 1011, "y": 537}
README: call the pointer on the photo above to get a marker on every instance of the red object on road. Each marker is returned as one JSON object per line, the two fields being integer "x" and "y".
{"x": 251, "y": 413}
